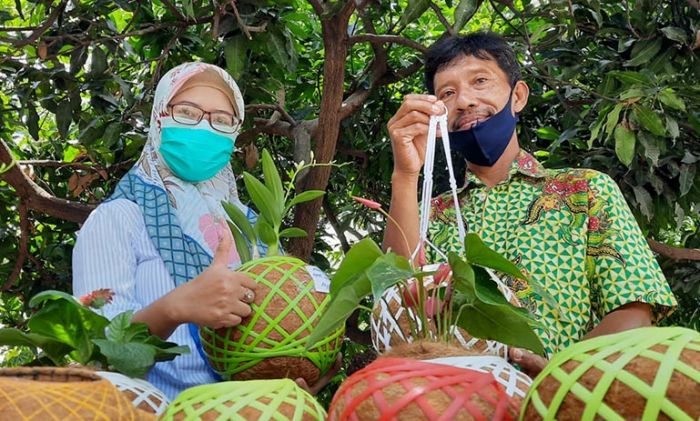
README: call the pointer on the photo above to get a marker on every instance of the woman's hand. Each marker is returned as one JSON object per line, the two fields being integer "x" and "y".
{"x": 323, "y": 380}
{"x": 217, "y": 298}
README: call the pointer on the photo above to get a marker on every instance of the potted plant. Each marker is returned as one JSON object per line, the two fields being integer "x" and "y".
{"x": 289, "y": 298}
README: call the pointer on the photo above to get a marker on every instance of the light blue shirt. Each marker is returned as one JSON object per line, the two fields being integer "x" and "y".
{"x": 113, "y": 250}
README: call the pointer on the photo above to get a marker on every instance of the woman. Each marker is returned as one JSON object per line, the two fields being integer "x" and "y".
{"x": 161, "y": 241}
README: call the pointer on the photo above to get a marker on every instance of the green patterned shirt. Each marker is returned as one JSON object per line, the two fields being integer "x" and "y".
{"x": 571, "y": 230}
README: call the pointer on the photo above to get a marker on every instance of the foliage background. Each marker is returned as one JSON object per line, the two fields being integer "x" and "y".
{"x": 613, "y": 87}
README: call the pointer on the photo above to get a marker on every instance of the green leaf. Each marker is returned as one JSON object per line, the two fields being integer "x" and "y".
{"x": 548, "y": 133}
{"x": 675, "y": 33}
{"x": 272, "y": 179}
{"x": 612, "y": 120}
{"x": 189, "y": 8}
{"x": 98, "y": 61}
{"x": 643, "y": 198}
{"x": 669, "y": 98}
{"x": 55, "y": 350}
{"x": 645, "y": 52}
{"x": 263, "y": 199}
{"x": 508, "y": 325}
{"x": 480, "y": 254}
{"x": 650, "y": 120}
{"x": 242, "y": 246}
{"x": 672, "y": 127}
{"x": 360, "y": 257}
{"x": 464, "y": 277}
{"x": 267, "y": 235}
{"x": 293, "y": 232}
{"x": 340, "y": 307}
{"x": 413, "y": 11}
{"x": 464, "y": 12}
{"x": 686, "y": 178}
{"x": 631, "y": 78}
{"x": 596, "y": 130}
{"x": 240, "y": 221}
{"x": 64, "y": 114}
{"x": 32, "y": 121}
{"x": 387, "y": 271}
{"x": 625, "y": 141}
{"x": 235, "y": 50}
{"x": 304, "y": 197}
{"x": 131, "y": 359}
{"x": 51, "y": 295}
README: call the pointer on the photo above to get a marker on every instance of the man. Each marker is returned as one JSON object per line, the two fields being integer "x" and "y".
{"x": 570, "y": 229}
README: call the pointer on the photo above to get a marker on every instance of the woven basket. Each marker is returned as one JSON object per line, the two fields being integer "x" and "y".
{"x": 390, "y": 323}
{"x": 269, "y": 344}
{"x": 141, "y": 393}
{"x": 52, "y": 393}
{"x": 406, "y": 389}
{"x": 643, "y": 374}
{"x": 261, "y": 400}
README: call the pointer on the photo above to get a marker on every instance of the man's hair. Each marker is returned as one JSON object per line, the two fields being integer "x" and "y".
{"x": 482, "y": 45}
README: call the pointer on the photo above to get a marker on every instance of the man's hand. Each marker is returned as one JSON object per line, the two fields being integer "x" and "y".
{"x": 408, "y": 129}
{"x": 323, "y": 380}
{"x": 529, "y": 363}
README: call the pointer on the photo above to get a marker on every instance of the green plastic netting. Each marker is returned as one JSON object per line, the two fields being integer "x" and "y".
{"x": 262, "y": 400}
{"x": 263, "y": 335}
{"x": 614, "y": 358}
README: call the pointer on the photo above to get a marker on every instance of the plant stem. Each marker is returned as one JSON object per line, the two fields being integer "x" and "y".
{"x": 403, "y": 234}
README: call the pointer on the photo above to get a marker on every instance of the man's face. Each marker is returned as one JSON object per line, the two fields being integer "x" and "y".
{"x": 472, "y": 89}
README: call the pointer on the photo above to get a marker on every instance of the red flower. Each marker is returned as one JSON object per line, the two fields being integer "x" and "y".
{"x": 97, "y": 298}
{"x": 410, "y": 295}
{"x": 369, "y": 203}
{"x": 433, "y": 306}
{"x": 420, "y": 259}
{"x": 443, "y": 273}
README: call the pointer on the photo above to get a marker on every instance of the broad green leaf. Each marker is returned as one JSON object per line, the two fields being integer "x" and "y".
{"x": 635, "y": 93}
{"x": 131, "y": 359}
{"x": 672, "y": 127}
{"x": 480, "y": 254}
{"x": 596, "y": 130}
{"x": 272, "y": 179}
{"x": 464, "y": 12}
{"x": 650, "y": 120}
{"x": 612, "y": 120}
{"x": 51, "y": 295}
{"x": 189, "y": 9}
{"x": 32, "y": 121}
{"x": 55, "y": 350}
{"x": 360, "y": 256}
{"x": 64, "y": 113}
{"x": 675, "y": 33}
{"x": 631, "y": 78}
{"x": 306, "y": 196}
{"x": 293, "y": 232}
{"x": 463, "y": 277}
{"x": 240, "y": 221}
{"x": 413, "y": 11}
{"x": 625, "y": 141}
{"x": 98, "y": 60}
{"x": 242, "y": 246}
{"x": 643, "y": 198}
{"x": 263, "y": 199}
{"x": 669, "y": 98}
{"x": 266, "y": 233}
{"x": 644, "y": 53}
{"x": 387, "y": 271}
{"x": 548, "y": 133}
{"x": 508, "y": 325}
{"x": 686, "y": 178}
{"x": 235, "y": 51}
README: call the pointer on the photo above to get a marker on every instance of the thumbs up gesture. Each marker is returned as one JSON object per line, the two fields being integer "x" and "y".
{"x": 218, "y": 297}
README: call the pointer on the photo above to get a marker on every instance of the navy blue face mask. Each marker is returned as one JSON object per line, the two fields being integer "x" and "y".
{"x": 484, "y": 143}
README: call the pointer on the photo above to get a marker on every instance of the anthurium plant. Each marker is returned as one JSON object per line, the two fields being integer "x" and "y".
{"x": 64, "y": 330}
{"x": 461, "y": 293}
{"x": 273, "y": 200}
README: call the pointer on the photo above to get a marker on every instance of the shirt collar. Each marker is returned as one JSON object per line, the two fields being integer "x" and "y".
{"x": 524, "y": 164}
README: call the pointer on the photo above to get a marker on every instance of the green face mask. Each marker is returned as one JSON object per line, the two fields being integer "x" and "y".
{"x": 195, "y": 153}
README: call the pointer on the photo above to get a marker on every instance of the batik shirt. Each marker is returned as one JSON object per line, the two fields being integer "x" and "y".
{"x": 569, "y": 229}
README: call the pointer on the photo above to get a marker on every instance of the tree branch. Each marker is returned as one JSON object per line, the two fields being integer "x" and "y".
{"x": 40, "y": 30}
{"x": 318, "y": 7}
{"x": 36, "y": 197}
{"x": 23, "y": 246}
{"x": 387, "y": 39}
{"x": 442, "y": 18}
{"x": 673, "y": 253}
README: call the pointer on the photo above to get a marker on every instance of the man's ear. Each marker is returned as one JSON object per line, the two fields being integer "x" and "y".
{"x": 520, "y": 94}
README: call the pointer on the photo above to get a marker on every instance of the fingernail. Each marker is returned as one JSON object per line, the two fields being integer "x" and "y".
{"x": 517, "y": 354}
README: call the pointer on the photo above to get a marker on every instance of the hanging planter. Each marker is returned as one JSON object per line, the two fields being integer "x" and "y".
{"x": 262, "y": 400}
{"x": 141, "y": 393}
{"x": 406, "y": 389}
{"x": 289, "y": 298}
{"x": 644, "y": 374}
{"x": 51, "y": 393}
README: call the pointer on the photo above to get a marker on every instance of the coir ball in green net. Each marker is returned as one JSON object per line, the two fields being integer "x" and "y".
{"x": 650, "y": 373}
{"x": 270, "y": 343}
{"x": 262, "y": 400}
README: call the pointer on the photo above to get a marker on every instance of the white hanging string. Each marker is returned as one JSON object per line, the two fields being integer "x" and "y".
{"x": 426, "y": 194}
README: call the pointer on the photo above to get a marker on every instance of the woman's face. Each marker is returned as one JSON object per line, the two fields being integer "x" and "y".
{"x": 206, "y": 98}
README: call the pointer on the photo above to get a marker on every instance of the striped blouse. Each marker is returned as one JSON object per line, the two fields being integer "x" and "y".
{"x": 113, "y": 250}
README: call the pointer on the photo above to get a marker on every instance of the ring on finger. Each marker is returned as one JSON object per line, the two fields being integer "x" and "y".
{"x": 248, "y": 296}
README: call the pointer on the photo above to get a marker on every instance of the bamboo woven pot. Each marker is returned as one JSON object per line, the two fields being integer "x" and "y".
{"x": 643, "y": 374}
{"x": 279, "y": 400}
{"x": 406, "y": 389}
{"x": 390, "y": 323}
{"x": 141, "y": 393}
{"x": 52, "y": 393}
{"x": 269, "y": 343}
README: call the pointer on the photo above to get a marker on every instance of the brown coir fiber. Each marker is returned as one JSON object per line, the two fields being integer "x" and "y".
{"x": 627, "y": 402}
{"x": 426, "y": 350}
{"x": 41, "y": 393}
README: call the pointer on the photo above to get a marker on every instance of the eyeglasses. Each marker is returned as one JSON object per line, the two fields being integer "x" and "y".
{"x": 190, "y": 114}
